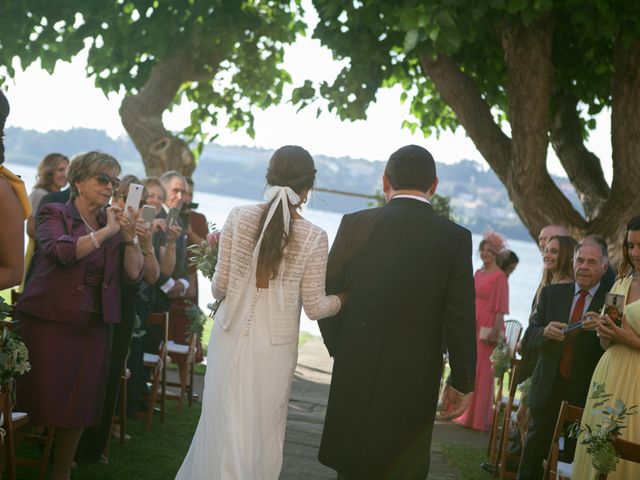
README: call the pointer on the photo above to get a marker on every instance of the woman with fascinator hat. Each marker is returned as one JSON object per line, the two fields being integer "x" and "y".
{"x": 492, "y": 303}
{"x": 271, "y": 263}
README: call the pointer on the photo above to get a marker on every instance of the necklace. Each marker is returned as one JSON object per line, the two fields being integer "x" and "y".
{"x": 86, "y": 224}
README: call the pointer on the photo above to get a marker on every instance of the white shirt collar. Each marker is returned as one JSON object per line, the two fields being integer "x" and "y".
{"x": 165, "y": 208}
{"x": 592, "y": 291}
{"x": 415, "y": 197}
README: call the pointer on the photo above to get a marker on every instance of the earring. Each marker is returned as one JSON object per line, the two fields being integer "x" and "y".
{"x": 304, "y": 200}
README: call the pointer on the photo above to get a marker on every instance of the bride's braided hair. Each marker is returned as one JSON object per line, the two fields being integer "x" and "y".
{"x": 290, "y": 166}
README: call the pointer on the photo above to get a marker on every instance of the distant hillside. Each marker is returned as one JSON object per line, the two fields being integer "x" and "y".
{"x": 479, "y": 199}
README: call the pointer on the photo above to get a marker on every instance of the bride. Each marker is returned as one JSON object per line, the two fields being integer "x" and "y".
{"x": 270, "y": 261}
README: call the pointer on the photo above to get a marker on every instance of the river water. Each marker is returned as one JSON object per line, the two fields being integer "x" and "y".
{"x": 522, "y": 283}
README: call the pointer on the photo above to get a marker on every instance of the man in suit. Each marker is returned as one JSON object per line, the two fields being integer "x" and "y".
{"x": 409, "y": 277}
{"x": 176, "y": 284}
{"x": 565, "y": 361}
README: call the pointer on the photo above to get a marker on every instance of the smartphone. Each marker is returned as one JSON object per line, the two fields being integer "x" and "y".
{"x": 572, "y": 327}
{"x": 133, "y": 197}
{"x": 172, "y": 216}
{"x": 614, "y": 307}
{"x": 148, "y": 213}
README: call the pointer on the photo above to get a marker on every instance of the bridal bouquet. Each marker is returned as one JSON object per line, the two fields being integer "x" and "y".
{"x": 599, "y": 438}
{"x": 205, "y": 254}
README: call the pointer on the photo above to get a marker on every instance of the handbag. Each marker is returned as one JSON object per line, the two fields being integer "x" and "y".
{"x": 486, "y": 331}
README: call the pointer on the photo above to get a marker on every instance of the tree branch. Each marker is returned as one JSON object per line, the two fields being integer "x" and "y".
{"x": 141, "y": 113}
{"x": 460, "y": 92}
{"x": 582, "y": 166}
{"x": 624, "y": 202}
{"x": 536, "y": 198}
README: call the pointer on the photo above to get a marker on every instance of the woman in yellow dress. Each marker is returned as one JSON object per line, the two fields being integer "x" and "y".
{"x": 619, "y": 367}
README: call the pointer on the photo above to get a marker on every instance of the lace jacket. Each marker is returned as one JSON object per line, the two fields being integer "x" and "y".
{"x": 301, "y": 279}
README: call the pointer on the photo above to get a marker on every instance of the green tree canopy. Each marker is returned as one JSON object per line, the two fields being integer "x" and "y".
{"x": 515, "y": 74}
{"x": 222, "y": 55}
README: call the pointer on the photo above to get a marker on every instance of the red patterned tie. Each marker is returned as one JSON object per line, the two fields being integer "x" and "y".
{"x": 567, "y": 353}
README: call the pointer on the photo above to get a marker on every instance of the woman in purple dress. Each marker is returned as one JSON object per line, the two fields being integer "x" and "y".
{"x": 492, "y": 303}
{"x": 72, "y": 300}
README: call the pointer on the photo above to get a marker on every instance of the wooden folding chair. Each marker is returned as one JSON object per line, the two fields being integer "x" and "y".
{"x": 513, "y": 330}
{"x": 119, "y": 417}
{"x": 552, "y": 466}
{"x": 157, "y": 363}
{"x": 184, "y": 356}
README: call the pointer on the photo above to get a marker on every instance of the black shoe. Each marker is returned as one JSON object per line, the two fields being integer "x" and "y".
{"x": 489, "y": 468}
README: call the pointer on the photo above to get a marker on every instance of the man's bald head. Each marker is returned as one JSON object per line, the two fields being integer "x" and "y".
{"x": 550, "y": 231}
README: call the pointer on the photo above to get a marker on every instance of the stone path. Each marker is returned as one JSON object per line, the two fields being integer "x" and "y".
{"x": 307, "y": 408}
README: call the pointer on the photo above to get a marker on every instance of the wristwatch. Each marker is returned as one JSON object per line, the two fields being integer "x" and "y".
{"x": 132, "y": 242}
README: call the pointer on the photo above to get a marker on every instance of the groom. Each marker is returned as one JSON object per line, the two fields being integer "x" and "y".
{"x": 409, "y": 277}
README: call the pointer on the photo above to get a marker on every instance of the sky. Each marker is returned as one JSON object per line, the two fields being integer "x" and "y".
{"x": 68, "y": 99}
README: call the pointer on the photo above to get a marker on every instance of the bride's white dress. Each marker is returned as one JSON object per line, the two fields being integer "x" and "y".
{"x": 253, "y": 350}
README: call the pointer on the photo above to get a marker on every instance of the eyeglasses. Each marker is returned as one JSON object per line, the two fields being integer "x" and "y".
{"x": 105, "y": 179}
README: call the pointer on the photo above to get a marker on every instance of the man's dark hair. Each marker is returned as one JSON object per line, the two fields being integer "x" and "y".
{"x": 411, "y": 168}
{"x": 4, "y": 113}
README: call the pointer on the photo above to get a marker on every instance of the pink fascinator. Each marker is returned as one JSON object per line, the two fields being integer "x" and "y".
{"x": 496, "y": 242}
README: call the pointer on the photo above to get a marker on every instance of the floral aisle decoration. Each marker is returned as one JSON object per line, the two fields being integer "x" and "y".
{"x": 599, "y": 438}
{"x": 500, "y": 359}
{"x": 204, "y": 257}
{"x": 198, "y": 319}
{"x": 14, "y": 356}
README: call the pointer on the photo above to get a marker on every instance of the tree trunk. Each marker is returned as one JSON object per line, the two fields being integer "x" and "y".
{"x": 141, "y": 115}
{"x": 582, "y": 166}
{"x": 624, "y": 201}
{"x": 529, "y": 62}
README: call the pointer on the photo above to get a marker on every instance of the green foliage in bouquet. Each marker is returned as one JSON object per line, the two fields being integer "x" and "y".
{"x": 599, "y": 438}
{"x": 204, "y": 255}
{"x": 500, "y": 359}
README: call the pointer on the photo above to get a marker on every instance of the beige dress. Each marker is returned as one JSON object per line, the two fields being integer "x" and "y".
{"x": 619, "y": 371}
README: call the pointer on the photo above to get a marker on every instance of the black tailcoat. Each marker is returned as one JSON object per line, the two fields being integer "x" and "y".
{"x": 409, "y": 275}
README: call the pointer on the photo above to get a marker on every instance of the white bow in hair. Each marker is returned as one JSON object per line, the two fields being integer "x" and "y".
{"x": 284, "y": 195}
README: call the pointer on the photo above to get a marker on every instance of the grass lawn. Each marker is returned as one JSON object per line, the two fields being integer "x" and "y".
{"x": 467, "y": 460}
{"x": 148, "y": 455}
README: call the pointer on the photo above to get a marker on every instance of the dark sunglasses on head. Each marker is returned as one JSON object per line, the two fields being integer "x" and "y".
{"x": 105, "y": 179}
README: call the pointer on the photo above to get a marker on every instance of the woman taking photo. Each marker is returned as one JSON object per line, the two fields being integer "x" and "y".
{"x": 72, "y": 300}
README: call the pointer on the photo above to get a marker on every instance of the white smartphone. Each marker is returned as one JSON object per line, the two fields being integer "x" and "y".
{"x": 133, "y": 197}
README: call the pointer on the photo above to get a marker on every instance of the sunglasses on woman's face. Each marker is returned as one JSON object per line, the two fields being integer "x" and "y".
{"x": 104, "y": 179}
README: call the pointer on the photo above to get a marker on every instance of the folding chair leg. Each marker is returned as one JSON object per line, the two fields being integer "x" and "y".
{"x": 46, "y": 454}
{"x": 190, "y": 386}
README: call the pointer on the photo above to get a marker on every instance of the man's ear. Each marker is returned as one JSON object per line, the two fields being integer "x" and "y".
{"x": 386, "y": 184}
{"x": 432, "y": 189}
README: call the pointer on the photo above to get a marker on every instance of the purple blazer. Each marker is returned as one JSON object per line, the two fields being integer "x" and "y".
{"x": 55, "y": 287}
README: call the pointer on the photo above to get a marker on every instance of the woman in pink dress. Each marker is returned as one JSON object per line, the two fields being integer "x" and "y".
{"x": 492, "y": 303}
